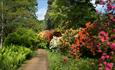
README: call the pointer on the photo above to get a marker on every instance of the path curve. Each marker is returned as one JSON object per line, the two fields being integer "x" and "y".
{"x": 39, "y": 62}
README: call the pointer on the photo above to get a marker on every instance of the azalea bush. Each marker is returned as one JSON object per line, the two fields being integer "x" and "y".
{"x": 44, "y": 38}
{"x": 107, "y": 50}
{"x": 96, "y": 41}
{"x": 46, "y": 35}
{"x": 70, "y": 34}
{"x": 106, "y": 45}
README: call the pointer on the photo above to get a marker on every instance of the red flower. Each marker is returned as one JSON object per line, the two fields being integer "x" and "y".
{"x": 112, "y": 52}
{"x": 104, "y": 54}
{"x": 73, "y": 46}
{"x": 65, "y": 59}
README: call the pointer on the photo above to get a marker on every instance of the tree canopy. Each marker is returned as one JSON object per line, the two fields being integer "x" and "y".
{"x": 18, "y": 13}
{"x": 70, "y": 13}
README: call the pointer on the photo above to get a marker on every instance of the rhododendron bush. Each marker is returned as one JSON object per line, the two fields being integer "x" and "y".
{"x": 98, "y": 38}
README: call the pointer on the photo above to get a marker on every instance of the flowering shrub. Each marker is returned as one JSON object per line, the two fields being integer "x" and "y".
{"x": 70, "y": 34}
{"x": 99, "y": 42}
{"x": 46, "y": 34}
{"x": 99, "y": 38}
{"x": 106, "y": 46}
{"x": 107, "y": 49}
{"x": 55, "y": 43}
{"x": 85, "y": 39}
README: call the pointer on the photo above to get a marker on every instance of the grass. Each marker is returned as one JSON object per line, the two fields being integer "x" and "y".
{"x": 56, "y": 62}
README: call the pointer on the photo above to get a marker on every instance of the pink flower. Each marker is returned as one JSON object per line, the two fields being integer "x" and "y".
{"x": 112, "y": 46}
{"x": 108, "y": 43}
{"x": 109, "y": 66}
{"x": 103, "y": 57}
{"x": 103, "y": 36}
{"x": 113, "y": 7}
{"x": 104, "y": 54}
{"x": 104, "y": 62}
{"x": 109, "y": 7}
{"x": 100, "y": 68}
{"x": 104, "y": 0}
{"x": 100, "y": 50}
{"x": 100, "y": 64}
{"x": 107, "y": 56}
{"x": 97, "y": 11}
{"x": 112, "y": 52}
{"x": 101, "y": 3}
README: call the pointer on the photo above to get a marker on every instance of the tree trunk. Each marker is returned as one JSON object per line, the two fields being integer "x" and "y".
{"x": 2, "y": 28}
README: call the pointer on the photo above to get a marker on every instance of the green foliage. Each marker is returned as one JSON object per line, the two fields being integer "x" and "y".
{"x": 70, "y": 13}
{"x": 12, "y": 57}
{"x": 40, "y": 26}
{"x": 56, "y": 62}
{"x": 42, "y": 43}
{"x": 22, "y": 36}
{"x": 18, "y": 13}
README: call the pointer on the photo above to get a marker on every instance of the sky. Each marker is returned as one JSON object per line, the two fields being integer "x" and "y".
{"x": 42, "y": 9}
{"x": 100, "y": 8}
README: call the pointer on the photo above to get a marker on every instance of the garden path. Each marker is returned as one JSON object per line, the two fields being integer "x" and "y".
{"x": 39, "y": 62}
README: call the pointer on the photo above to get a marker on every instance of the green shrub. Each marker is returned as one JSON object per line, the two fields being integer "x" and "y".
{"x": 22, "y": 36}
{"x": 42, "y": 43}
{"x": 56, "y": 62}
{"x": 12, "y": 56}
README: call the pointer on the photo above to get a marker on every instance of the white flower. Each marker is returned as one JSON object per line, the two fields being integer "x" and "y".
{"x": 55, "y": 42}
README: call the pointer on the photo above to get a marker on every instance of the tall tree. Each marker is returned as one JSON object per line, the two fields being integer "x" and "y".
{"x": 17, "y": 13}
{"x": 70, "y": 13}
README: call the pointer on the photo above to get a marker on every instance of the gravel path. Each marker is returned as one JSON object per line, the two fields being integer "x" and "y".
{"x": 37, "y": 63}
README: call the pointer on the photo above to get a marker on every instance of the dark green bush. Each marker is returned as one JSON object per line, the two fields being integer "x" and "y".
{"x": 22, "y": 36}
{"x": 11, "y": 57}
